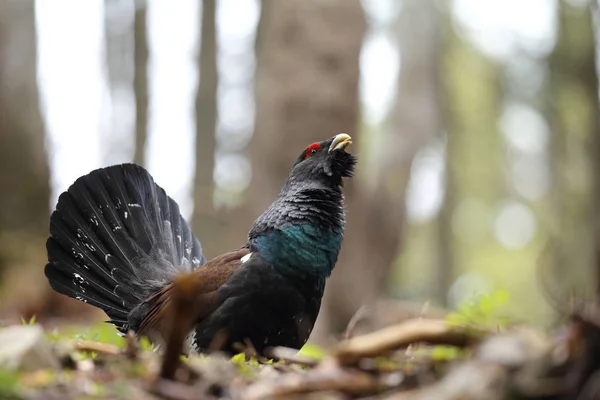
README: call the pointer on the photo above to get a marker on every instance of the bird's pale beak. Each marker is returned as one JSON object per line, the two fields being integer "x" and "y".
{"x": 340, "y": 142}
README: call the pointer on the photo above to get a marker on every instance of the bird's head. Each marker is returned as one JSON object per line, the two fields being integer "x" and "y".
{"x": 326, "y": 161}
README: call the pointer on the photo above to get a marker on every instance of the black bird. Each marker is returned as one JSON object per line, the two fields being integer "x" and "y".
{"x": 118, "y": 242}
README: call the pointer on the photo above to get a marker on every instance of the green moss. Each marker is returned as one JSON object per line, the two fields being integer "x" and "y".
{"x": 99, "y": 332}
{"x": 9, "y": 388}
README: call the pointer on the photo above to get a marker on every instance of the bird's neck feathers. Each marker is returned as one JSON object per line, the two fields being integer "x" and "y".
{"x": 301, "y": 233}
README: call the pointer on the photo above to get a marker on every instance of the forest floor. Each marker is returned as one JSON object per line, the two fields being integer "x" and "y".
{"x": 471, "y": 354}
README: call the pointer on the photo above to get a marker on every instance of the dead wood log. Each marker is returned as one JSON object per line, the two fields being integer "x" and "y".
{"x": 429, "y": 331}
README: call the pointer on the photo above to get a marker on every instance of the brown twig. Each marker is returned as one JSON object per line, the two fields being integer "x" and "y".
{"x": 182, "y": 319}
{"x": 103, "y": 348}
{"x": 218, "y": 341}
{"x": 350, "y": 382}
{"x": 177, "y": 391}
{"x": 131, "y": 345}
{"x": 358, "y": 316}
{"x": 424, "y": 309}
{"x": 428, "y": 331}
{"x": 249, "y": 351}
{"x": 290, "y": 356}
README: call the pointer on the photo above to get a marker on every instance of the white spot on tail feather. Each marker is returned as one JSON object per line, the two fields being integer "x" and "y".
{"x": 90, "y": 247}
{"x": 94, "y": 220}
{"x": 134, "y": 205}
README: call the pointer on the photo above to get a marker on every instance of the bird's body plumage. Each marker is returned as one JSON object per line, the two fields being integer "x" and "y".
{"x": 118, "y": 242}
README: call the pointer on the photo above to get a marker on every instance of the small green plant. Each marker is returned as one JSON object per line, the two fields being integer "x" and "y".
{"x": 238, "y": 359}
{"x": 247, "y": 368}
{"x": 446, "y": 353}
{"x": 312, "y": 351}
{"x": 482, "y": 312}
{"x": 29, "y": 323}
{"x": 145, "y": 344}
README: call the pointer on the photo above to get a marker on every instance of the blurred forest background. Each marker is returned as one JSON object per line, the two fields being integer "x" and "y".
{"x": 476, "y": 123}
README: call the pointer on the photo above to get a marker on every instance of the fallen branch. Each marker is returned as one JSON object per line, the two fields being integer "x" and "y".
{"x": 472, "y": 380}
{"x": 290, "y": 356}
{"x": 349, "y": 382}
{"x": 177, "y": 391}
{"x": 381, "y": 342}
{"x": 102, "y": 348}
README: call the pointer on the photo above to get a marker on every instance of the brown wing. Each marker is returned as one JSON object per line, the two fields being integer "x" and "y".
{"x": 206, "y": 280}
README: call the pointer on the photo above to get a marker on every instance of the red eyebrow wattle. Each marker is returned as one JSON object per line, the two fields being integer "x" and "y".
{"x": 311, "y": 148}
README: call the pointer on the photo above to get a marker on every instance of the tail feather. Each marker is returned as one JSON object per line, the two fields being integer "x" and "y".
{"x": 85, "y": 283}
{"x": 116, "y": 238}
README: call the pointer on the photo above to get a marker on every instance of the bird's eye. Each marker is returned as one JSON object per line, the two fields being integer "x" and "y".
{"x": 312, "y": 149}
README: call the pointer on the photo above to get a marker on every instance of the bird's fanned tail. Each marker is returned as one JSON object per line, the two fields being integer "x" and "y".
{"x": 116, "y": 238}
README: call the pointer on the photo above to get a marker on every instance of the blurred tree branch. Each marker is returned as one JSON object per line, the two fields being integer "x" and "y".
{"x": 140, "y": 81}
{"x": 124, "y": 72}
{"x": 118, "y": 50}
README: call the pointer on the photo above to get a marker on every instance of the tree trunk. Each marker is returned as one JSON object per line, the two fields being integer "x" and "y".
{"x": 24, "y": 177}
{"x": 204, "y": 221}
{"x": 306, "y": 91}
{"x": 442, "y": 276}
{"x": 471, "y": 89}
{"x": 306, "y": 85}
{"x": 594, "y": 147}
{"x": 118, "y": 42}
{"x": 24, "y": 171}
{"x": 140, "y": 81}
{"x": 574, "y": 120}
{"x": 375, "y": 229}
